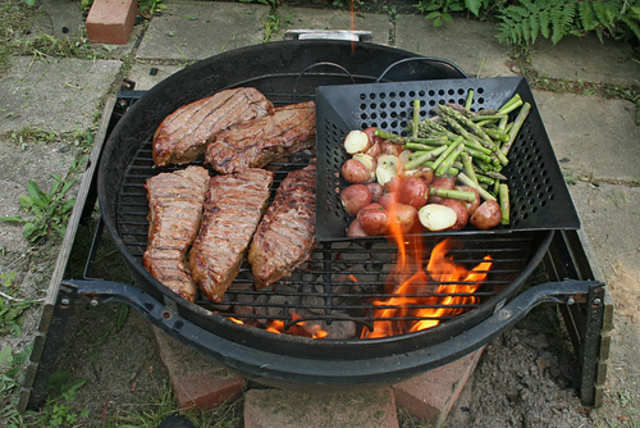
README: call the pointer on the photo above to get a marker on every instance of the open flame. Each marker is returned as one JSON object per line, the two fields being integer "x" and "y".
{"x": 408, "y": 280}
{"x": 300, "y": 328}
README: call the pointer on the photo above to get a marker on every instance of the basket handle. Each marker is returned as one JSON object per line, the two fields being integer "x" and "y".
{"x": 458, "y": 70}
{"x": 318, "y": 64}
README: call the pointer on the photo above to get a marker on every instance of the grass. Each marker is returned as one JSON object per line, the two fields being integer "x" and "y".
{"x": 80, "y": 139}
{"x": 12, "y": 307}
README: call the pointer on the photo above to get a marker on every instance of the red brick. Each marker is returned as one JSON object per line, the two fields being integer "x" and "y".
{"x": 431, "y": 395}
{"x": 111, "y": 21}
{"x": 198, "y": 381}
{"x": 268, "y": 408}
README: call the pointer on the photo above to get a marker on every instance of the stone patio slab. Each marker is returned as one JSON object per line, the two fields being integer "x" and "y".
{"x": 469, "y": 44}
{"x": 198, "y": 30}
{"x": 592, "y": 136}
{"x": 611, "y": 219}
{"x": 141, "y": 73}
{"x": 36, "y": 163}
{"x": 60, "y": 94}
{"x": 328, "y": 19}
{"x": 587, "y": 59}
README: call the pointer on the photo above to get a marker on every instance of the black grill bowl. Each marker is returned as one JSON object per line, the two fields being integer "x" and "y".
{"x": 539, "y": 197}
{"x": 286, "y": 72}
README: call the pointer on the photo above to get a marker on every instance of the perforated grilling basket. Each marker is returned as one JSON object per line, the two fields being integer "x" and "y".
{"x": 538, "y": 194}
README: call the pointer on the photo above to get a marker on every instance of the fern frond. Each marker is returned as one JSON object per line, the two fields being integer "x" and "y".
{"x": 587, "y": 18}
{"x": 545, "y": 23}
{"x": 535, "y": 28}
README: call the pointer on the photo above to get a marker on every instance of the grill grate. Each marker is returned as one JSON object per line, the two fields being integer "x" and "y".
{"x": 341, "y": 280}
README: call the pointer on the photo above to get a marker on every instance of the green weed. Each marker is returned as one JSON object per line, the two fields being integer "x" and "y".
{"x": 11, "y": 372}
{"x": 11, "y": 307}
{"x": 271, "y": 25}
{"x": 47, "y": 212}
{"x": 58, "y": 410}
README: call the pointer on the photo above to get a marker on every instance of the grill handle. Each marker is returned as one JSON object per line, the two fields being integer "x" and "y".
{"x": 458, "y": 70}
{"x": 288, "y": 369}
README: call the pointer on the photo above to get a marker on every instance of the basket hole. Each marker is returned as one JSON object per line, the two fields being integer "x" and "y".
{"x": 372, "y": 106}
{"x": 402, "y": 94}
{"x": 421, "y": 93}
{"x": 363, "y": 116}
{"x": 384, "y": 125}
{"x": 363, "y": 96}
{"x": 451, "y": 92}
{"x": 363, "y": 106}
{"x": 432, "y": 93}
{"x": 372, "y": 96}
{"x": 403, "y": 124}
{"x": 412, "y": 94}
{"x": 432, "y": 103}
{"x": 452, "y": 101}
{"x": 392, "y": 94}
{"x": 383, "y": 105}
{"x": 460, "y": 91}
{"x": 480, "y": 90}
{"x": 403, "y": 104}
{"x": 392, "y": 104}
{"x": 441, "y": 92}
{"x": 461, "y": 101}
{"x": 382, "y": 95}
{"x": 394, "y": 124}
{"x": 441, "y": 101}
{"x": 480, "y": 100}
{"x": 383, "y": 114}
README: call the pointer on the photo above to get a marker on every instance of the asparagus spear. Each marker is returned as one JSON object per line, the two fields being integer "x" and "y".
{"x": 452, "y": 194}
{"x": 469, "y": 182}
{"x": 448, "y": 161}
{"x": 469, "y": 101}
{"x": 477, "y": 130}
{"x": 416, "y": 118}
{"x": 468, "y": 167}
{"x": 515, "y": 128}
{"x": 423, "y": 157}
{"x": 503, "y": 194}
{"x": 446, "y": 153}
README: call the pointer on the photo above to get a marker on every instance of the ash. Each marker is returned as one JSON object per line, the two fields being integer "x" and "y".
{"x": 527, "y": 377}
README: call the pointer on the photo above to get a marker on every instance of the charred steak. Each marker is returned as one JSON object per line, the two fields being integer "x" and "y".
{"x": 233, "y": 207}
{"x": 286, "y": 235}
{"x": 183, "y": 135}
{"x": 175, "y": 207}
{"x": 255, "y": 143}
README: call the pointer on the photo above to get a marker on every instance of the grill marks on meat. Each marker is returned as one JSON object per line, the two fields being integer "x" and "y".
{"x": 286, "y": 235}
{"x": 233, "y": 207}
{"x": 255, "y": 143}
{"x": 175, "y": 207}
{"x": 183, "y": 135}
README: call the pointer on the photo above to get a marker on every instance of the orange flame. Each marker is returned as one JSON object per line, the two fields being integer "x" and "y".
{"x": 453, "y": 280}
{"x": 300, "y": 328}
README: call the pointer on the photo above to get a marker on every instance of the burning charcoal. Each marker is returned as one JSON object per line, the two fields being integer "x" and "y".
{"x": 314, "y": 304}
{"x": 340, "y": 329}
{"x": 245, "y": 310}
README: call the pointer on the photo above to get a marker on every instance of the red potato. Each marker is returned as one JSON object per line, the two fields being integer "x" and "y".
{"x": 375, "y": 150}
{"x": 404, "y": 215}
{"x": 388, "y": 199}
{"x": 355, "y": 230}
{"x": 462, "y": 215}
{"x": 354, "y": 171}
{"x": 374, "y": 219}
{"x": 370, "y": 131}
{"x": 413, "y": 191}
{"x": 486, "y": 216}
{"x": 356, "y": 142}
{"x": 355, "y": 197}
{"x": 425, "y": 173}
{"x": 436, "y": 217}
{"x": 367, "y": 161}
{"x": 394, "y": 185}
{"x": 444, "y": 182}
{"x": 389, "y": 148}
{"x": 376, "y": 191}
{"x": 471, "y": 206}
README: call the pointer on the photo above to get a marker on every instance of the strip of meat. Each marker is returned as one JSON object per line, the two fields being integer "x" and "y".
{"x": 286, "y": 235}
{"x": 255, "y": 143}
{"x": 183, "y": 135}
{"x": 233, "y": 208}
{"x": 175, "y": 207}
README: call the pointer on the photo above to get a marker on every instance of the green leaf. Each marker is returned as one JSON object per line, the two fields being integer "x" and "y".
{"x": 545, "y": 21}
{"x": 633, "y": 26}
{"x": 433, "y": 15}
{"x": 18, "y": 220}
{"x": 6, "y": 356}
{"x": 25, "y": 202}
{"x": 473, "y": 6}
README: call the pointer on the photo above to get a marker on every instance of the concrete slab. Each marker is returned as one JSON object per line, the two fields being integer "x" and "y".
{"x": 470, "y": 44}
{"x": 329, "y": 19}
{"x": 198, "y": 30}
{"x": 611, "y": 220}
{"x": 587, "y": 59}
{"x": 266, "y": 408}
{"x": 590, "y": 135}
{"x": 36, "y": 163}
{"x": 60, "y": 94}
{"x": 59, "y": 18}
{"x": 141, "y": 73}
